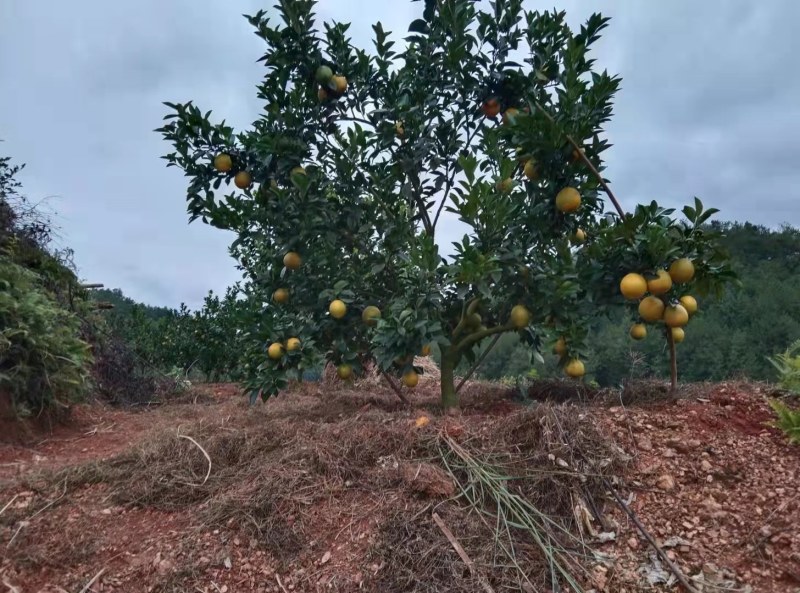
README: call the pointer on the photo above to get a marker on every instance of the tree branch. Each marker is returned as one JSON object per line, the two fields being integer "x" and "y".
{"x": 394, "y": 387}
{"x": 467, "y": 310}
{"x": 478, "y": 362}
{"x": 479, "y": 335}
{"x": 585, "y": 160}
{"x": 450, "y": 181}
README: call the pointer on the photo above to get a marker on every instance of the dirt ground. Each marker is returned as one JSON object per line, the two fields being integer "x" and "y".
{"x": 330, "y": 488}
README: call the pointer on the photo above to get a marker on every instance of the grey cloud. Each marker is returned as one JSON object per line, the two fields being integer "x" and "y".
{"x": 708, "y": 107}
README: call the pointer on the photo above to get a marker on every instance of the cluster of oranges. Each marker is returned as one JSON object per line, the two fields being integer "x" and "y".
{"x": 331, "y": 86}
{"x": 568, "y": 199}
{"x": 223, "y": 163}
{"x": 337, "y": 309}
{"x": 657, "y": 306}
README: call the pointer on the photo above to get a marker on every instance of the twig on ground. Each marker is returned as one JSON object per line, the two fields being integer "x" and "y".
{"x": 88, "y": 585}
{"x": 632, "y": 516}
{"x": 10, "y": 587}
{"x": 278, "y": 578}
{"x": 208, "y": 458}
{"x": 8, "y": 504}
{"x": 460, "y": 551}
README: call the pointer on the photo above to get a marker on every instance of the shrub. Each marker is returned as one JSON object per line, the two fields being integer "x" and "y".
{"x": 788, "y": 366}
{"x": 43, "y": 362}
{"x": 788, "y": 420}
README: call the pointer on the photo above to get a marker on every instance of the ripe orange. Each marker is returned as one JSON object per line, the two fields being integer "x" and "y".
{"x": 633, "y": 286}
{"x": 651, "y": 309}
{"x": 490, "y": 107}
{"x": 576, "y": 156}
{"x": 574, "y": 368}
{"x": 410, "y": 378}
{"x": 676, "y": 316}
{"x": 505, "y": 185}
{"x": 223, "y": 162}
{"x": 520, "y": 317}
{"x": 681, "y": 270}
{"x": 370, "y": 315}
{"x": 531, "y": 170}
{"x": 292, "y": 344}
{"x": 579, "y": 237}
{"x": 661, "y": 284}
{"x": 678, "y": 334}
{"x": 337, "y": 309}
{"x": 242, "y": 180}
{"x": 345, "y": 371}
{"x": 339, "y": 84}
{"x": 281, "y": 296}
{"x": 568, "y": 200}
{"x": 275, "y": 351}
{"x": 638, "y": 331}
{"x": 560, "y": 347}
{"x": 292, "y": 260}
{"x": 690, "y": 304}
{"x": 510, "y": 115}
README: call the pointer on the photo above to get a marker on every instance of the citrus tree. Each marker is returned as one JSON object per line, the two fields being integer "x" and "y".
{"x": 339, "y": 190}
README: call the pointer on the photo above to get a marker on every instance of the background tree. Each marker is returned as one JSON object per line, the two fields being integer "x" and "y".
{"x": 494, "y": 116}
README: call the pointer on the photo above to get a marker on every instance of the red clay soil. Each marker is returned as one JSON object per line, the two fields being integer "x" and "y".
{"x": 710, "y": 479}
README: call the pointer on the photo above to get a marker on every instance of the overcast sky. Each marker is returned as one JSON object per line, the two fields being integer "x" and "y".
{"x": 710, "y": 106}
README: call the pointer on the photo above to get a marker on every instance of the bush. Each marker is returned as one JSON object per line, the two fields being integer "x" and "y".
{"x": 788, "y": 420}
{"x": 43, "y": 362}
{"x": 788, "y": 366}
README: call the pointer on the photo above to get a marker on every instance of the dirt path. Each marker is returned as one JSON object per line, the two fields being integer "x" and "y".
{"x": 332, "y": 490}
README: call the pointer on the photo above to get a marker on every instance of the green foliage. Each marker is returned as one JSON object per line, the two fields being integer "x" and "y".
{"x": 43, "y": 362}
{"x": 788, "y": 366}
{"x": 408, "y": 135}
{"x": 788, "y": 420}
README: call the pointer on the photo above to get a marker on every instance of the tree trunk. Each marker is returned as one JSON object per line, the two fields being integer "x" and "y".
{"x": 448, "y": 369}
{"x": 673, "y": 361}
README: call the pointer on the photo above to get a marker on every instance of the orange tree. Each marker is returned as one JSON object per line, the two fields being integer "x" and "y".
{"x": 338, "y": 190}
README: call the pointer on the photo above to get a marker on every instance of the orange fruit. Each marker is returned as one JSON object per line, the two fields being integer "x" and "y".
{"x": 292, "y": 260}
{"x": 560, "y": 347}
{"x": 520, "y": 317}
{"x": 579, "y": 237}
{"x": 297, "y": 171}
{"x": 661, "y": 284}
{"x": 275, "y": 351}
{"x": 426, "y": 350}
{"x": 690, "y": 304}
{"x": 638, "y": 331}
{"x": 574, "y": 368}
{"x": 345, "y": 371}
{"x": 322, "y": 95}
{"x": 422, "y": 421}
{"x": 292, "y": 344}
{"x": 223, "y": 162}
{"x": 370, "y": 315}
{"x": 510, "y": 115}
{"x": 651, "y": 309}
{"x": 531, "y": 170}
{"x": 490, "y": 107}
{"x": 633, "y": 286}
{"x": 281, "y": 296}
{"x": 339, "y": 84}
{"x": 242, "y": 180}
{"x": 681, "y": 270}
{"x": 505, "y": 185}
{"x": 678, "y": 334}
{"x": 399, "y": 130}
{"x": 568, "y": 200}
{"x": 323, "y": 74}
{"x": 337, "y": 309}
{"x": 676, "y": 316}
{"x": 410, "y": 378}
